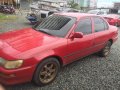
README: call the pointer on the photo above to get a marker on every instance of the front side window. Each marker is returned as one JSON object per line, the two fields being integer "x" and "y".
{"x": 56, "y": 25}
{"x": 84, "y": 26}
{"x": 99, "y": 24}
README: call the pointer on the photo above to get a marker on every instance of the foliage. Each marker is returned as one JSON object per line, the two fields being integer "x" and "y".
{"x": 2, "y": 16}
{"x": 7, "y": 17}
{"x": 74, "y": 5}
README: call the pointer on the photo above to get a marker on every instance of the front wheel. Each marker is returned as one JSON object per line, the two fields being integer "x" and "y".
{"x": 46, "y": 71}
{"x": 106, "y": 50}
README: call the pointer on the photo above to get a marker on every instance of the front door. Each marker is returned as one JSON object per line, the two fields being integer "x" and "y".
{"x": 80, "y": 47}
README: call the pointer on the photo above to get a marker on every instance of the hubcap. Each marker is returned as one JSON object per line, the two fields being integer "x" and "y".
{"x": 48, "y": 72}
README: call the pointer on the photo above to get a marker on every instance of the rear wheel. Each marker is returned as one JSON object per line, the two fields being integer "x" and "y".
{"x": 106, "y": 50}
{"x": 46, "y": 71}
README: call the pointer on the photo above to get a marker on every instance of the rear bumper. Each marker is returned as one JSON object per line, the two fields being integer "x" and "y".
{"x": 11, "y": 77}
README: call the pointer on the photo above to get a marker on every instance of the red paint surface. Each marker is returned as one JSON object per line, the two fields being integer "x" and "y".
{"x": 33, "y": 47}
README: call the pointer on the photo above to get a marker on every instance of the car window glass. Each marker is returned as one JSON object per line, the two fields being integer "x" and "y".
{"x": 84, "y": 26}
{"x": 99, "y": 24}
{"x": 56, "y": 25}
{"x": 105, "y": 25}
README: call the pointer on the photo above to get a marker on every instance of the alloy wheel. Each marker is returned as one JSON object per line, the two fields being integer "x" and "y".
{"x": 48, "y": 72}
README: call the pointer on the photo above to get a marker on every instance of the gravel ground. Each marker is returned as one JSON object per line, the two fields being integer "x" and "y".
{"x": 90, "y": 73}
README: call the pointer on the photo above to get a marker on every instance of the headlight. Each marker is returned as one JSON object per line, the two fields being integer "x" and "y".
{"x": 11, "y": 64}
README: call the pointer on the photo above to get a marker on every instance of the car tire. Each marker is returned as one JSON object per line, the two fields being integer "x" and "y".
{"x": 106, "y": 50}
{"x": 46, "y": 71}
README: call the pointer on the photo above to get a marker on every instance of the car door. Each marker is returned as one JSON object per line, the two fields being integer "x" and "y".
{"x": 80, "y": 47}
{"x": 101, "y": 31}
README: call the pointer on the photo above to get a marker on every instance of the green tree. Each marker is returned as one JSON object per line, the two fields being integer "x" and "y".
{"x": 72, "y": 4}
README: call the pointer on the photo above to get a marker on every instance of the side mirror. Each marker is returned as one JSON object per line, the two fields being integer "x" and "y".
{"x": 78, "y": 35}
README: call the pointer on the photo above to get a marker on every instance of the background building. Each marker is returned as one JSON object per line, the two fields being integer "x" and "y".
{"x": 81, "y": 3}
{"x": 106, "y": 3}
{"x": 26, "y": 4}
{"x": 117, "y": 5}
{"x": 7, "y": 2}
{"x": 93, "y": 4}
{"x": 15, "y": 3}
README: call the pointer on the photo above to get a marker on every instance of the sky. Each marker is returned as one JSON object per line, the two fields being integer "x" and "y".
{"x": 106, "y": 3}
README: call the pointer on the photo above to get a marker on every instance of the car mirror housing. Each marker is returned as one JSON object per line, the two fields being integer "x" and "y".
{"x": 78, "y": 35}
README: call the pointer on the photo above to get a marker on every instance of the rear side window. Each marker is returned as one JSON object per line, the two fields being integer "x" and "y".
{"x": 99, "y": 24}
{"x": 106, "y": 25}
{"x": 84, "y": 26}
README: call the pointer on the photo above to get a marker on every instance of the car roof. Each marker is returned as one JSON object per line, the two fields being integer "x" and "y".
{"x": 76, "y": 15}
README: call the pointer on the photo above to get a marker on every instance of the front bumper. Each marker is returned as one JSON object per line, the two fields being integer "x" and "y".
{"x": 11, "y": 77}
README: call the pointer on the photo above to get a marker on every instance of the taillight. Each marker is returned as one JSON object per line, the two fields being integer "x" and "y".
{"x": 111, "y": 19}
{"x": 108, "y": 19}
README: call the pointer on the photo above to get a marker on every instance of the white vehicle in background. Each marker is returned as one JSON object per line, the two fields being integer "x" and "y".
{"x": 119, "y": 12}
{"x": 98, "y": 12}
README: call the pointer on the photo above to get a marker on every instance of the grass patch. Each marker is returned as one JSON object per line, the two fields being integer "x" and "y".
{"x": 2, "y": 16}
{"x": 5, "y": 17}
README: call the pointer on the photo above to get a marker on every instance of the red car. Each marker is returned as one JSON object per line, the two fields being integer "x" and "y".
{"x": 37, "y": 54}
{"x": 113, "y": 19}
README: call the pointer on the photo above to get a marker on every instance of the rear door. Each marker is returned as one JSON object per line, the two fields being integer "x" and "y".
{"x": 101, "y": 31}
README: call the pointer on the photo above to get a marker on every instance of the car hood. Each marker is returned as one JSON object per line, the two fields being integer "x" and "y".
{"x": 26, "y": 39}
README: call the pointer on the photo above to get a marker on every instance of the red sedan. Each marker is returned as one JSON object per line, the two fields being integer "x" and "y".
{"x": 113, "y": 19}
{"x": 37, "y": 54}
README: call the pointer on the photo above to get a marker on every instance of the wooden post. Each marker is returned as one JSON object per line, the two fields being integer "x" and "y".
{"x": 3, "y": 2}
{"x": 8, "y": 2}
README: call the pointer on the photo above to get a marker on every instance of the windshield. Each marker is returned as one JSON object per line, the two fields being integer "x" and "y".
{"x": 56, "y": 25}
